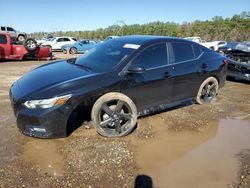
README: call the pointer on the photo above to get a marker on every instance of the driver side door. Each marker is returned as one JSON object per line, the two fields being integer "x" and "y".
{"x": 154, "y": 86}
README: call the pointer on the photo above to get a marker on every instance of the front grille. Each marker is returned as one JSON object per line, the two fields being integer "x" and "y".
{"x": 239, "y": 68}
{"x": 234, "y": 67}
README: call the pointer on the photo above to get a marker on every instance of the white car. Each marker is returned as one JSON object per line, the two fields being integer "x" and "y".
{"x": 111, "y": 37}
{"x": 214, "y": 45}
{"x": 57, "y": 42}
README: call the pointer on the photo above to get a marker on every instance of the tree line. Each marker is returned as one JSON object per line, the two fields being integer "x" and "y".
{"x": 236, "y": 28}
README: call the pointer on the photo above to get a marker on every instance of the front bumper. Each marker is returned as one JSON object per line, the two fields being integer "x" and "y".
{"x": 238, "y": 75}
{"x": 41, "y": 123}
{"x": 239, "y": 70}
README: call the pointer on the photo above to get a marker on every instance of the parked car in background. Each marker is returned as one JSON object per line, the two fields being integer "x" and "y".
{"x": 43, "y": 40}
{"x": 29, "y": 50}
{"x": 80, "y": 46}
{"x": 211, "y": 45}
{"x": 116, "y": 81}
{"x": 111, "y": 37}
{"x": 15, "y": 35}
{"x": 46, "y": 38}
{"x": 238, "y": 54}
{"x": 57, "y": 42}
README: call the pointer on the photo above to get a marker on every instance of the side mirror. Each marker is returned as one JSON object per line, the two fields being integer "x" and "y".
{"x": 136, "y": 70}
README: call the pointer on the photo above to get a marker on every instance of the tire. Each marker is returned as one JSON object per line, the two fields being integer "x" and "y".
{"x": 30, "y": 45}
{"x": 73, "y": 50}
{"x": 21, "y": 38}
{"x": 208, "y": 90}
{"x": 114, "y": 115}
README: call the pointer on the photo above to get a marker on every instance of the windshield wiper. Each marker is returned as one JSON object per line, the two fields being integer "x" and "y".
{"x": 73, "y": 61}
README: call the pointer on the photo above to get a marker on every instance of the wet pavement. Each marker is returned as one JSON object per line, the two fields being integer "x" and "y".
{"x": 185, "y": 159}
{"x": 192, "y": 146}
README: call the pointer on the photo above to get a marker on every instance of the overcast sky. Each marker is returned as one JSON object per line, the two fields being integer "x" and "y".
{"x": 48, "y": 15}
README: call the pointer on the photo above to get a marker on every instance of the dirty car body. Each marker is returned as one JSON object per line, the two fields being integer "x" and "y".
{"x": 147, "y": 69}
{"x": 238, "y": 54}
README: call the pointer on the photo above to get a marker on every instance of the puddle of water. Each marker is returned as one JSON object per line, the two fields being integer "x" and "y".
{"x": 207, "y": 159}
{"x": 43, "y": 153}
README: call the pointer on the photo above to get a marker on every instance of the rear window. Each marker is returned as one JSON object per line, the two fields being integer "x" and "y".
{"x": 66, "y": 39}
{"x": 10, "y": 29}
{"x": 197, "y": 51}
{"x": 221, "y": 43}
{"x": 3, "y": 39}
{"x": 182, "y": 51}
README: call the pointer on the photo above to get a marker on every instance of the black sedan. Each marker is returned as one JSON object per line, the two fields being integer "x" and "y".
{"x": 116, "y": 82}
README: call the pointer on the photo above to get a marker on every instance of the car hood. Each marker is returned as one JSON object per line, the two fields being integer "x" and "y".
{"x": 50, "y": 76}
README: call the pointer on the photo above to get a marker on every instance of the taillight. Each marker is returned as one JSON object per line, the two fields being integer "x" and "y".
{"x": 225, "y": 61}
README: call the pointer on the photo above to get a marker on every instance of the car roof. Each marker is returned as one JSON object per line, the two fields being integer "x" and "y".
{"x": 64, "y": 37}
{"x": 142, "y": 39}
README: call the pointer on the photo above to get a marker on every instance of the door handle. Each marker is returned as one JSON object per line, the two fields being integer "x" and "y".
{"x": 204, "y": 66}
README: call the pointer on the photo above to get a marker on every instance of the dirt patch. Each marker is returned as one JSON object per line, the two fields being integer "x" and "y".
{"x": 86, "y": 159}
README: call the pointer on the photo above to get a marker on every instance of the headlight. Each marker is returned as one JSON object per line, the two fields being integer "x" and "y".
{"x": 47, "y": 103}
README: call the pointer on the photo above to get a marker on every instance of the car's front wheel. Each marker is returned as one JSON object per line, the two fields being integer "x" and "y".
{"x": 73, "y": 50}
{"x": 114, "y": 115}
{"x": 208, "y": 90}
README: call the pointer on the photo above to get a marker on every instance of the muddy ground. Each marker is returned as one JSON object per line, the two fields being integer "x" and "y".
{"x": 191, "y": 146}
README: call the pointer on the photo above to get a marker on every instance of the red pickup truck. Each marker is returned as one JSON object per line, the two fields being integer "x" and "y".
{"x": 28, "y": 50}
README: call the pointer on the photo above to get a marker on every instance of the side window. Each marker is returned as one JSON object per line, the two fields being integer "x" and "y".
{"x": 182, "y": 51}
{"x": 84, "y": 42}
{"x": 59, "y": 40}
{"x": 74, "y": 39}
{"x": 3, "y": 39}
{"x": 197, "y": 51}
{"x": 221, "y": 43}
{"x": 3, "y": 29}
{"x": 152, "y": 56}
{"x": 10, "y": 29}
{"x": 66, "y": 39}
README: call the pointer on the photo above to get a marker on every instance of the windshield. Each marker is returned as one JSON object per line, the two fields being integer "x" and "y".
{"x": 106, "y": 56}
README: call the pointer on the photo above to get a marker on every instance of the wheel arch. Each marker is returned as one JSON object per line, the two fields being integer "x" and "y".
{"x": 77, "y": 116}
{"x": 21, "y": 35}
{"x": 217, "y": 78}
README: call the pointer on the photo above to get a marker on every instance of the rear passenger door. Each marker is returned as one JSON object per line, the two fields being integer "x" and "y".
{"x": 184, "y": 57}
{"x": 154, "y": 86}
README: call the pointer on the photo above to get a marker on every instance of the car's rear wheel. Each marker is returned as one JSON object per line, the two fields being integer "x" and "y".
{"x": 21, "y": 38}
{"x": 30, "y": 45}
{"x": 114, "y": 115}
{"x": 73, "y": 50}
{"x": 207, "y": 91}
